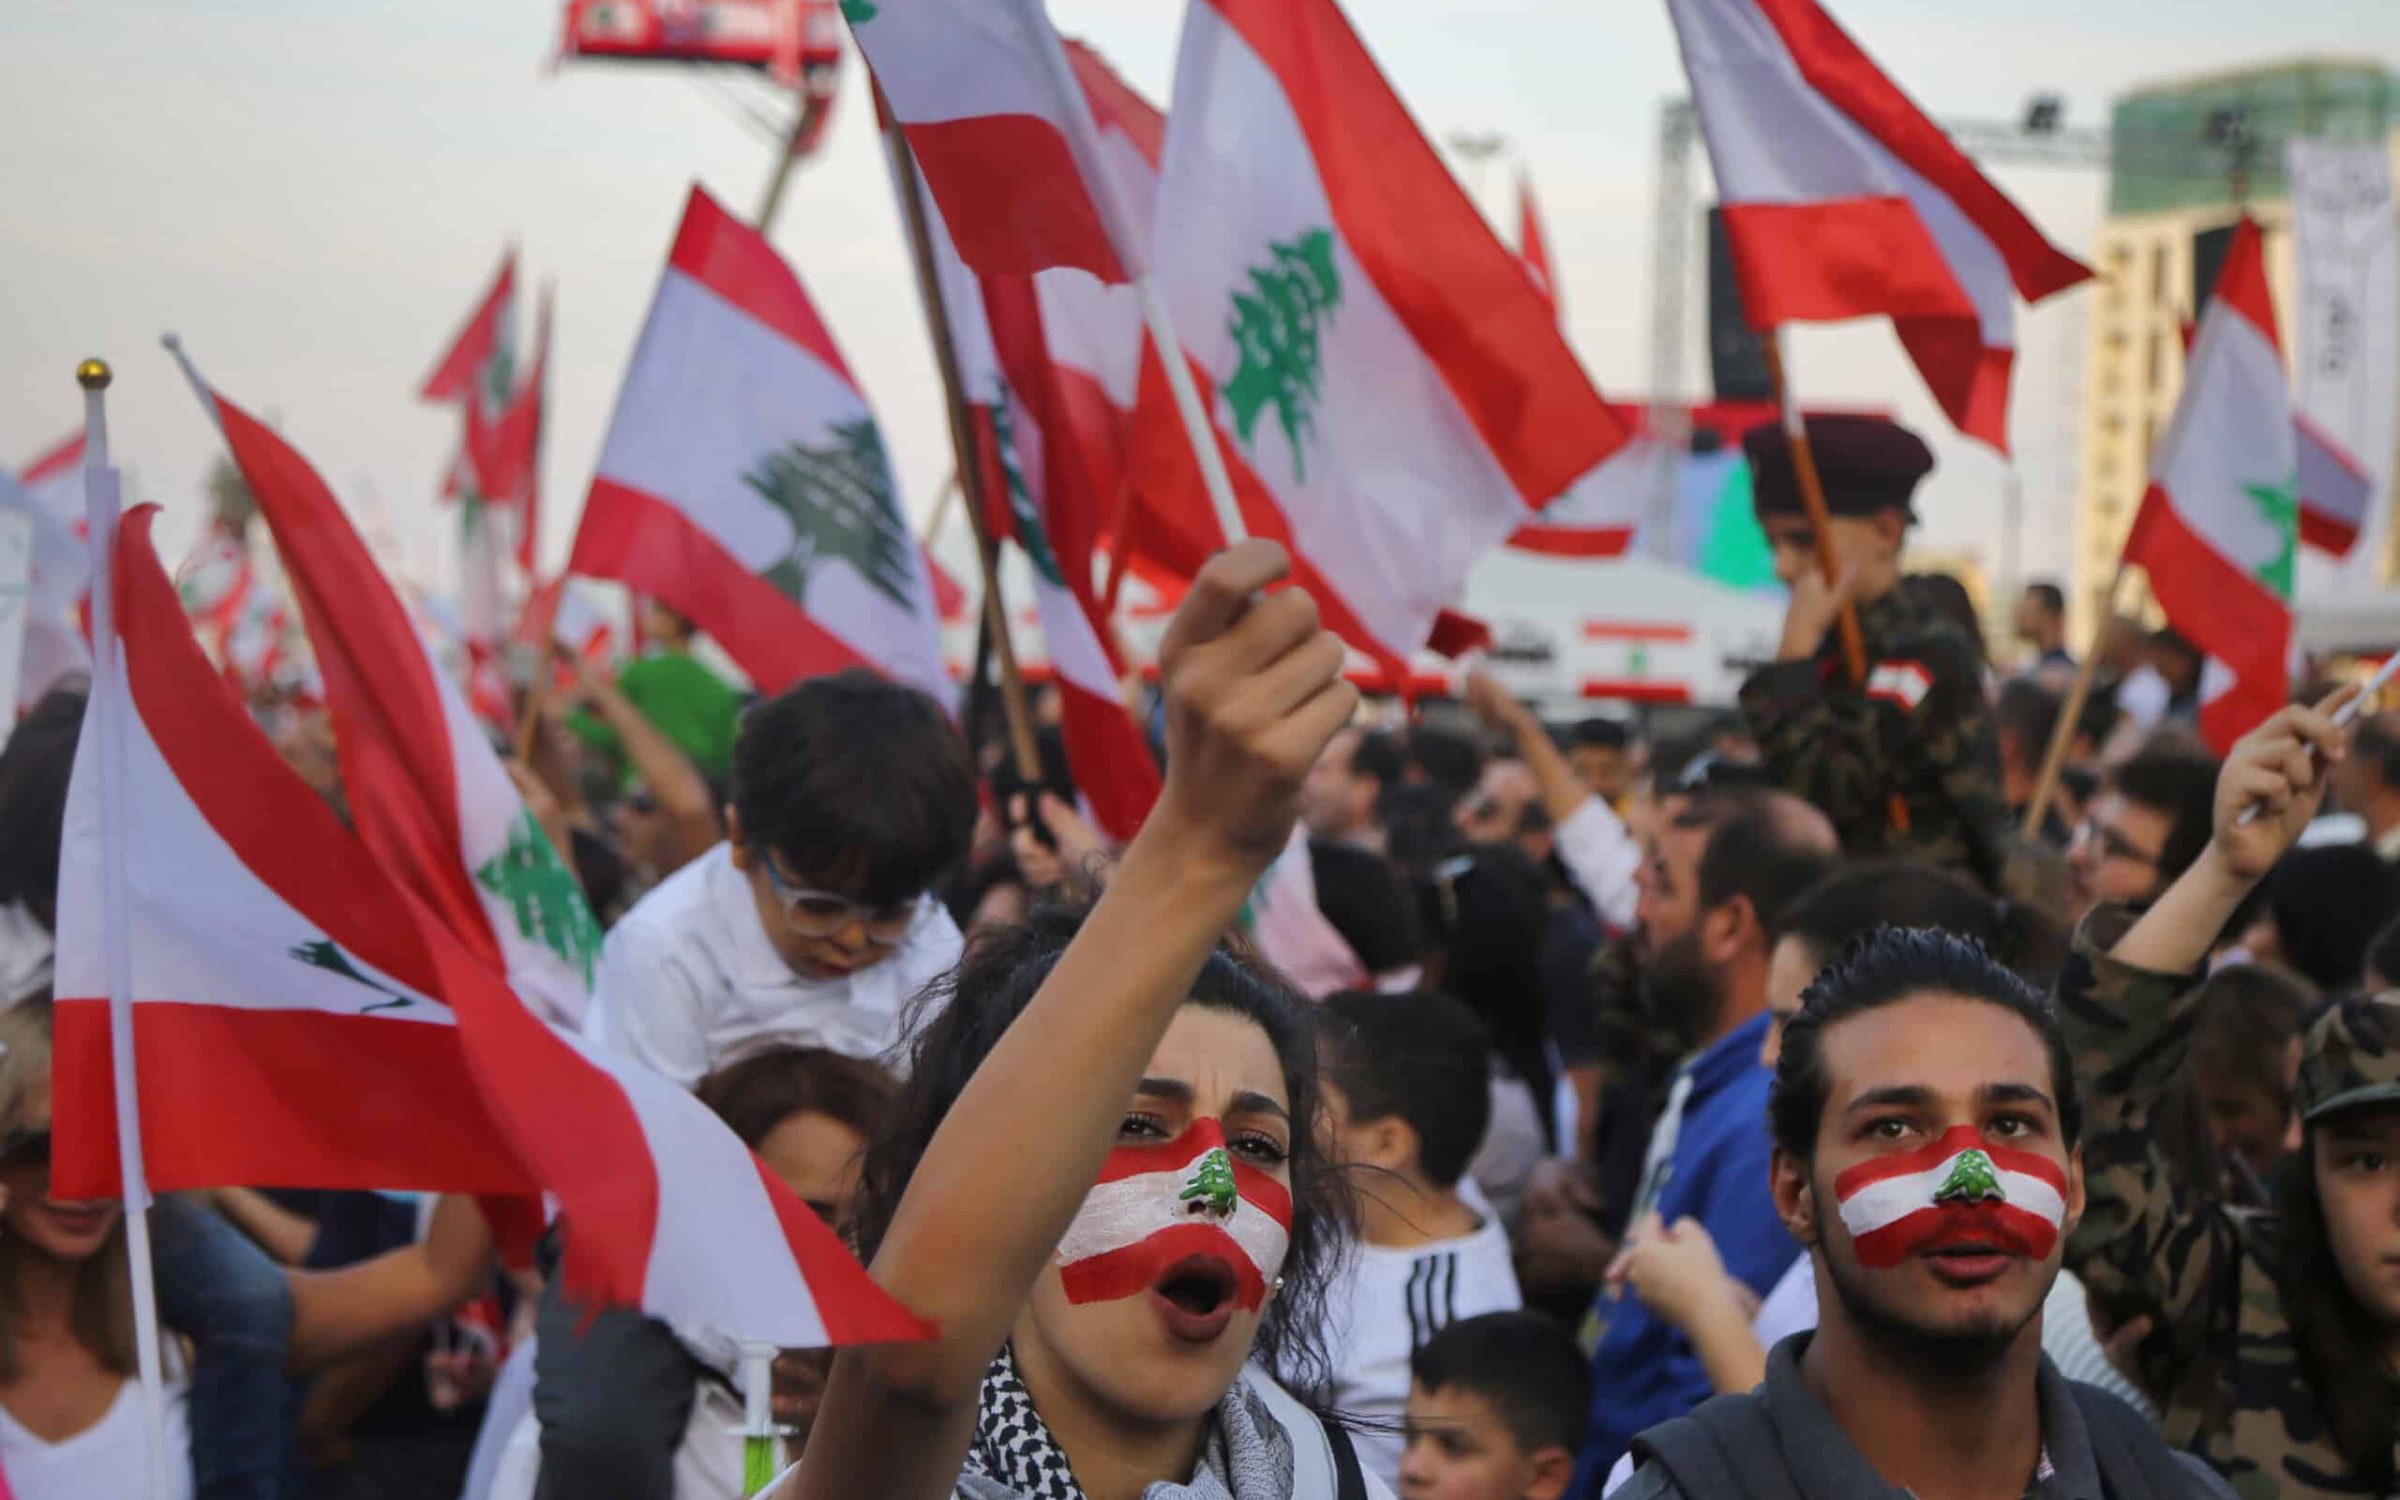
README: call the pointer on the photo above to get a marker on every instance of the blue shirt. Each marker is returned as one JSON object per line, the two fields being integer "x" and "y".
{"x": 1645, "y": 1370}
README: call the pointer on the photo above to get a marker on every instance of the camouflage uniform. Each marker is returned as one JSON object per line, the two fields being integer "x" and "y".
{"x": 1922, "y": 728}
{"x": 2222, "y": 1357}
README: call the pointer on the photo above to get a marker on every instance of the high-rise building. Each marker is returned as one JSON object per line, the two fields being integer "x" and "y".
{"x": 2184, "y": 159}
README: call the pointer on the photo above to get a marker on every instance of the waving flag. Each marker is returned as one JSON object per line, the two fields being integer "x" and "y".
{"x": 1188, "y": 1200}
{"x": 1393, "y": 393}
{"x": 987, "y": 99}
{"x": 1843, "y": 200}
{"x": 744, "y": 480}
{"x": 2219, "y": 525}
{"x": 1533, "y": 246}
{"x": 500, "y": 461}
{"x": 470, "y": 358}
{"x": 58, "y": 595}
{"x": 666, "y": 1210}
{"x": 2334, "y": 489}
{"x": 1961, "y": 1189}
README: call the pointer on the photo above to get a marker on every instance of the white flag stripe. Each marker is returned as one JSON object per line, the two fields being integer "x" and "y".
{"x": 200, "y": 921}
{"x": 1131, "y": 1209}
{"x": 1772, "y": 138}
{"x": 1398, "y": 495}
{"x": 1895, "y": 1198}
{"x": 2230, "y": 431}
{"x": 941, "y": 60}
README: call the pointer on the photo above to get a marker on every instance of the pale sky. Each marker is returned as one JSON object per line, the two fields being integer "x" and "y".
{"x": 314, "y": 193}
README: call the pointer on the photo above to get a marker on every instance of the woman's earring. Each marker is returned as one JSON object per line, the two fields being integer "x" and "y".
{"x": 1279, "y": 1283}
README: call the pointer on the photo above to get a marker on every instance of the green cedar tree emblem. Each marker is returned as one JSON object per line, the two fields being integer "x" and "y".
{"x": 1276, "y": 326}
{"x": 542, "y": 895}
{"x": 2280, "y": 505}
{"x": 1972, "y": 1179}
{"x": 858, "y": 12}
{"x": 839, "y": 501}
{"x": 1030, "y": 534}
{"x": 326, "y": 954}
{"x": 1211, "y": 1187}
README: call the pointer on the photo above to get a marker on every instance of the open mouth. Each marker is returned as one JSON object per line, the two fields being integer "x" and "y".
{"x": 1195, "y": 1297}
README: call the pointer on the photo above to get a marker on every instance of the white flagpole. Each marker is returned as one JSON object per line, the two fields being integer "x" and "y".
{"x": 100, "y": 505}
{"x": 1131, "y": 245}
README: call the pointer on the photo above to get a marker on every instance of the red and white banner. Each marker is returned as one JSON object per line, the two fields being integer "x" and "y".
{"x": 2218, "y": 529}
{"x": 2345, "y": 339}
{"x": 1843, "y": 200}
{"x": 744, "y": 481}
{"x": 1959, "y": 1191}
{"x": 58, "y": 592}
{"x": 983, "y": 91}
{"x": 1187, "y": 1206}
{"x": 2335, "y": 488}
{"x": 1392, "y": 393}
{"x": 792, "y": 39}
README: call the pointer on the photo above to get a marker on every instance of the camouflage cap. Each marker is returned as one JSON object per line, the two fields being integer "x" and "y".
{"x": 2351, "y": 1056}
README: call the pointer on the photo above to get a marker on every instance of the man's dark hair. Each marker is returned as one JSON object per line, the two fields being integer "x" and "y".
{"x": 2027, "y": 714}
{"x": 1600, "y": 734}
{"x": 2328, "y": 903}
{"x": 2376, "y": 742}
{"x": 2383, "y": 954}
{"x": 2048, "y": 595}
{"x": 1378, "y": 755}
{"x": 1450, "y": 761}
{"x": 763, "y": 1090}
{"x": 1887, "y": 966}
{"x": 1756, "y": 851}
{"x": 34, "y": 768}
{"x": 861, "y": 786}
{"x": 2179, "y": 780}
{"x": 2244, "y": 1019}
{"x": 1367, "y": 902}
{"x": 1858, "y": 898}
{"x": 1420, "y": 1057}
{"x": 1485, "y": 911}
{"x": 1524, "y": 1364}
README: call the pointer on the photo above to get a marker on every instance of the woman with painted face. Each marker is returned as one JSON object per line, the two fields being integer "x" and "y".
{"x": 2276, "y": 1341}
{"x": 1102, "y": 1189}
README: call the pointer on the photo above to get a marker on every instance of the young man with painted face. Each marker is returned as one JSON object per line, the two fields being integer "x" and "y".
{"x": 1904, "y": 763}
{"x": 1925, "y": 1125}
{"x": 2277, "y": 1334}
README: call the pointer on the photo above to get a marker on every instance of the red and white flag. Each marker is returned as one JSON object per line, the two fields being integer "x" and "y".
{"x": 744, "y": 480}
{"x": 59, "y": 592}
{"x": 1960, "y": 1190}
{"x": 986, "y": 97}
{"x": 2334, "y": 489}
{"x": 1391, "y": 391}
{"x": 1187, "y": 1204}
{"x": 469, "y": 361}
{"x": 500, "y": 461}
{"x": 1533, "y": 246}
{"x": 1843, "y": 200}
{"x": 2219, "y": 527}
{"x": 667, "y": 1211}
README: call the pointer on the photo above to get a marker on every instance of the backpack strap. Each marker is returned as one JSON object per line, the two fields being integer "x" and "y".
{"x": 2134, "y": 1461}
{"x": 1349, "y": 1482}
{"x": 1727, "y": 1447}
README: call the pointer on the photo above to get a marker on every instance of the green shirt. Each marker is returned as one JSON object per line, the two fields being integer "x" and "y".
{"x": 689, "y": 704}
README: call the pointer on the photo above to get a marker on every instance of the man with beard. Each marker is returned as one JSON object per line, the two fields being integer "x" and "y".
{"x": 1718, "y": 874}
{"x": 1925, "y": 1120}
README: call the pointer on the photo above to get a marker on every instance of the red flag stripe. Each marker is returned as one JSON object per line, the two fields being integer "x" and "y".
{"x": 1013, "y": 195}
{"x": 1839, "y": 259}
{"x": 734, "y": 261}
{"x": 453, "y": 376}
{"x": 2223, "y": 611}
{"x": 1954, "y": 1140}
{"x": 1115, "y": 104}
{"x": 1122, "y": 1273}
{"x": 57, "y": 461}
{"x": 1572, "y": 541}
{"x": 1257, "y": 1189}
{"x": 1886, "y": 1246}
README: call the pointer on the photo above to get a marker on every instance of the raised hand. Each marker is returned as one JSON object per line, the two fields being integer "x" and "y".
{"x": 2278, "y": 769}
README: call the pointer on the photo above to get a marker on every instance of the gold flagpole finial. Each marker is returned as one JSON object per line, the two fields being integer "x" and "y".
{"x": 93, "y": 375}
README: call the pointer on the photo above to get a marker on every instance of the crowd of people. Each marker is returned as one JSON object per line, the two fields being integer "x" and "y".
{"x": 1461, "y": 1108}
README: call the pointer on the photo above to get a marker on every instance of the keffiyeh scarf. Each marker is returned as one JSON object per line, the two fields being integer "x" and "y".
{"x": 1248, "y": 1456}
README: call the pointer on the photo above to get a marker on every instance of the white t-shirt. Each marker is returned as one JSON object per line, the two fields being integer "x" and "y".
{"x": 110, "y": 1457}
{"x": 688, "y": 981}
{"x": 1601, "y": 857}
{"x": 1388, "y": 1304}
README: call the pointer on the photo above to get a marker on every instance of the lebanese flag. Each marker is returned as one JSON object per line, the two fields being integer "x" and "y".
{"x": 983, "y": 92}
{"x": 744, "y": 480}
{"x": 1392, "y": 393}
{"x": 2219, "y": 525}
{"x": 2334, "y": 488}
{"x": 667, "y": 1211}
{"x": 1533, "y": 246}
{"x": 501, "y": 458}
{"x": 1599, "y": 515}
{"x": 1036, "y": 478}
{"x": 1843, "y": 200}
{"x": 1961, "y": 1189}
{"x": 59, "y": 594}
{"x": 469, "y": 358}
{"x": 1156, "y": 1205}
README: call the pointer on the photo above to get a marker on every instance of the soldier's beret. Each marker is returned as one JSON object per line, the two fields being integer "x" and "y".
{"x": 2351, "y": 1056}
{"x": 1869, "y": 465}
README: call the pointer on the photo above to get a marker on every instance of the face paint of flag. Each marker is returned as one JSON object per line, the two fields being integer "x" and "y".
{"x": 1960, "y": 1190}
{"x": 1156, "y": 1205}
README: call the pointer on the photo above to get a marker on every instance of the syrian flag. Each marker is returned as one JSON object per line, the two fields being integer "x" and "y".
{"x": 1843, "y": 200}
{"x": 1036, "y": 478}
{"x": 988, "y": 102}
{"x": 667, "y": 1211}
{"x": 476, "y": 362}
{"x": 1392, "y": 393}
{"x": 59, "y": 593}
{"x": 1960, "y": 1190}
{"x": 1533, "y": 246}
{"x": 2219, "y": 526}
{"x": 1156, "y": 1207}
{"x": 2334, "y": 488}
{"x": 744, "y": 480}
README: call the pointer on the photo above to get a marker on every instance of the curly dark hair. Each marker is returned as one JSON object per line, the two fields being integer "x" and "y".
{"x": 957, "y": 1022}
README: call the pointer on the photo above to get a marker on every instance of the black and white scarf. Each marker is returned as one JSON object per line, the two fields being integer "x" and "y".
{"x": 1248, "y": 1455}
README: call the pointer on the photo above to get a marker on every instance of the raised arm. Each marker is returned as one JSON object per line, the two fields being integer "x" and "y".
{"x": 674, "y": 782}
{"x": 1253, "y": 693}
{"x": 1593, "y": 843}
{"x": 337, "y": 1313}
